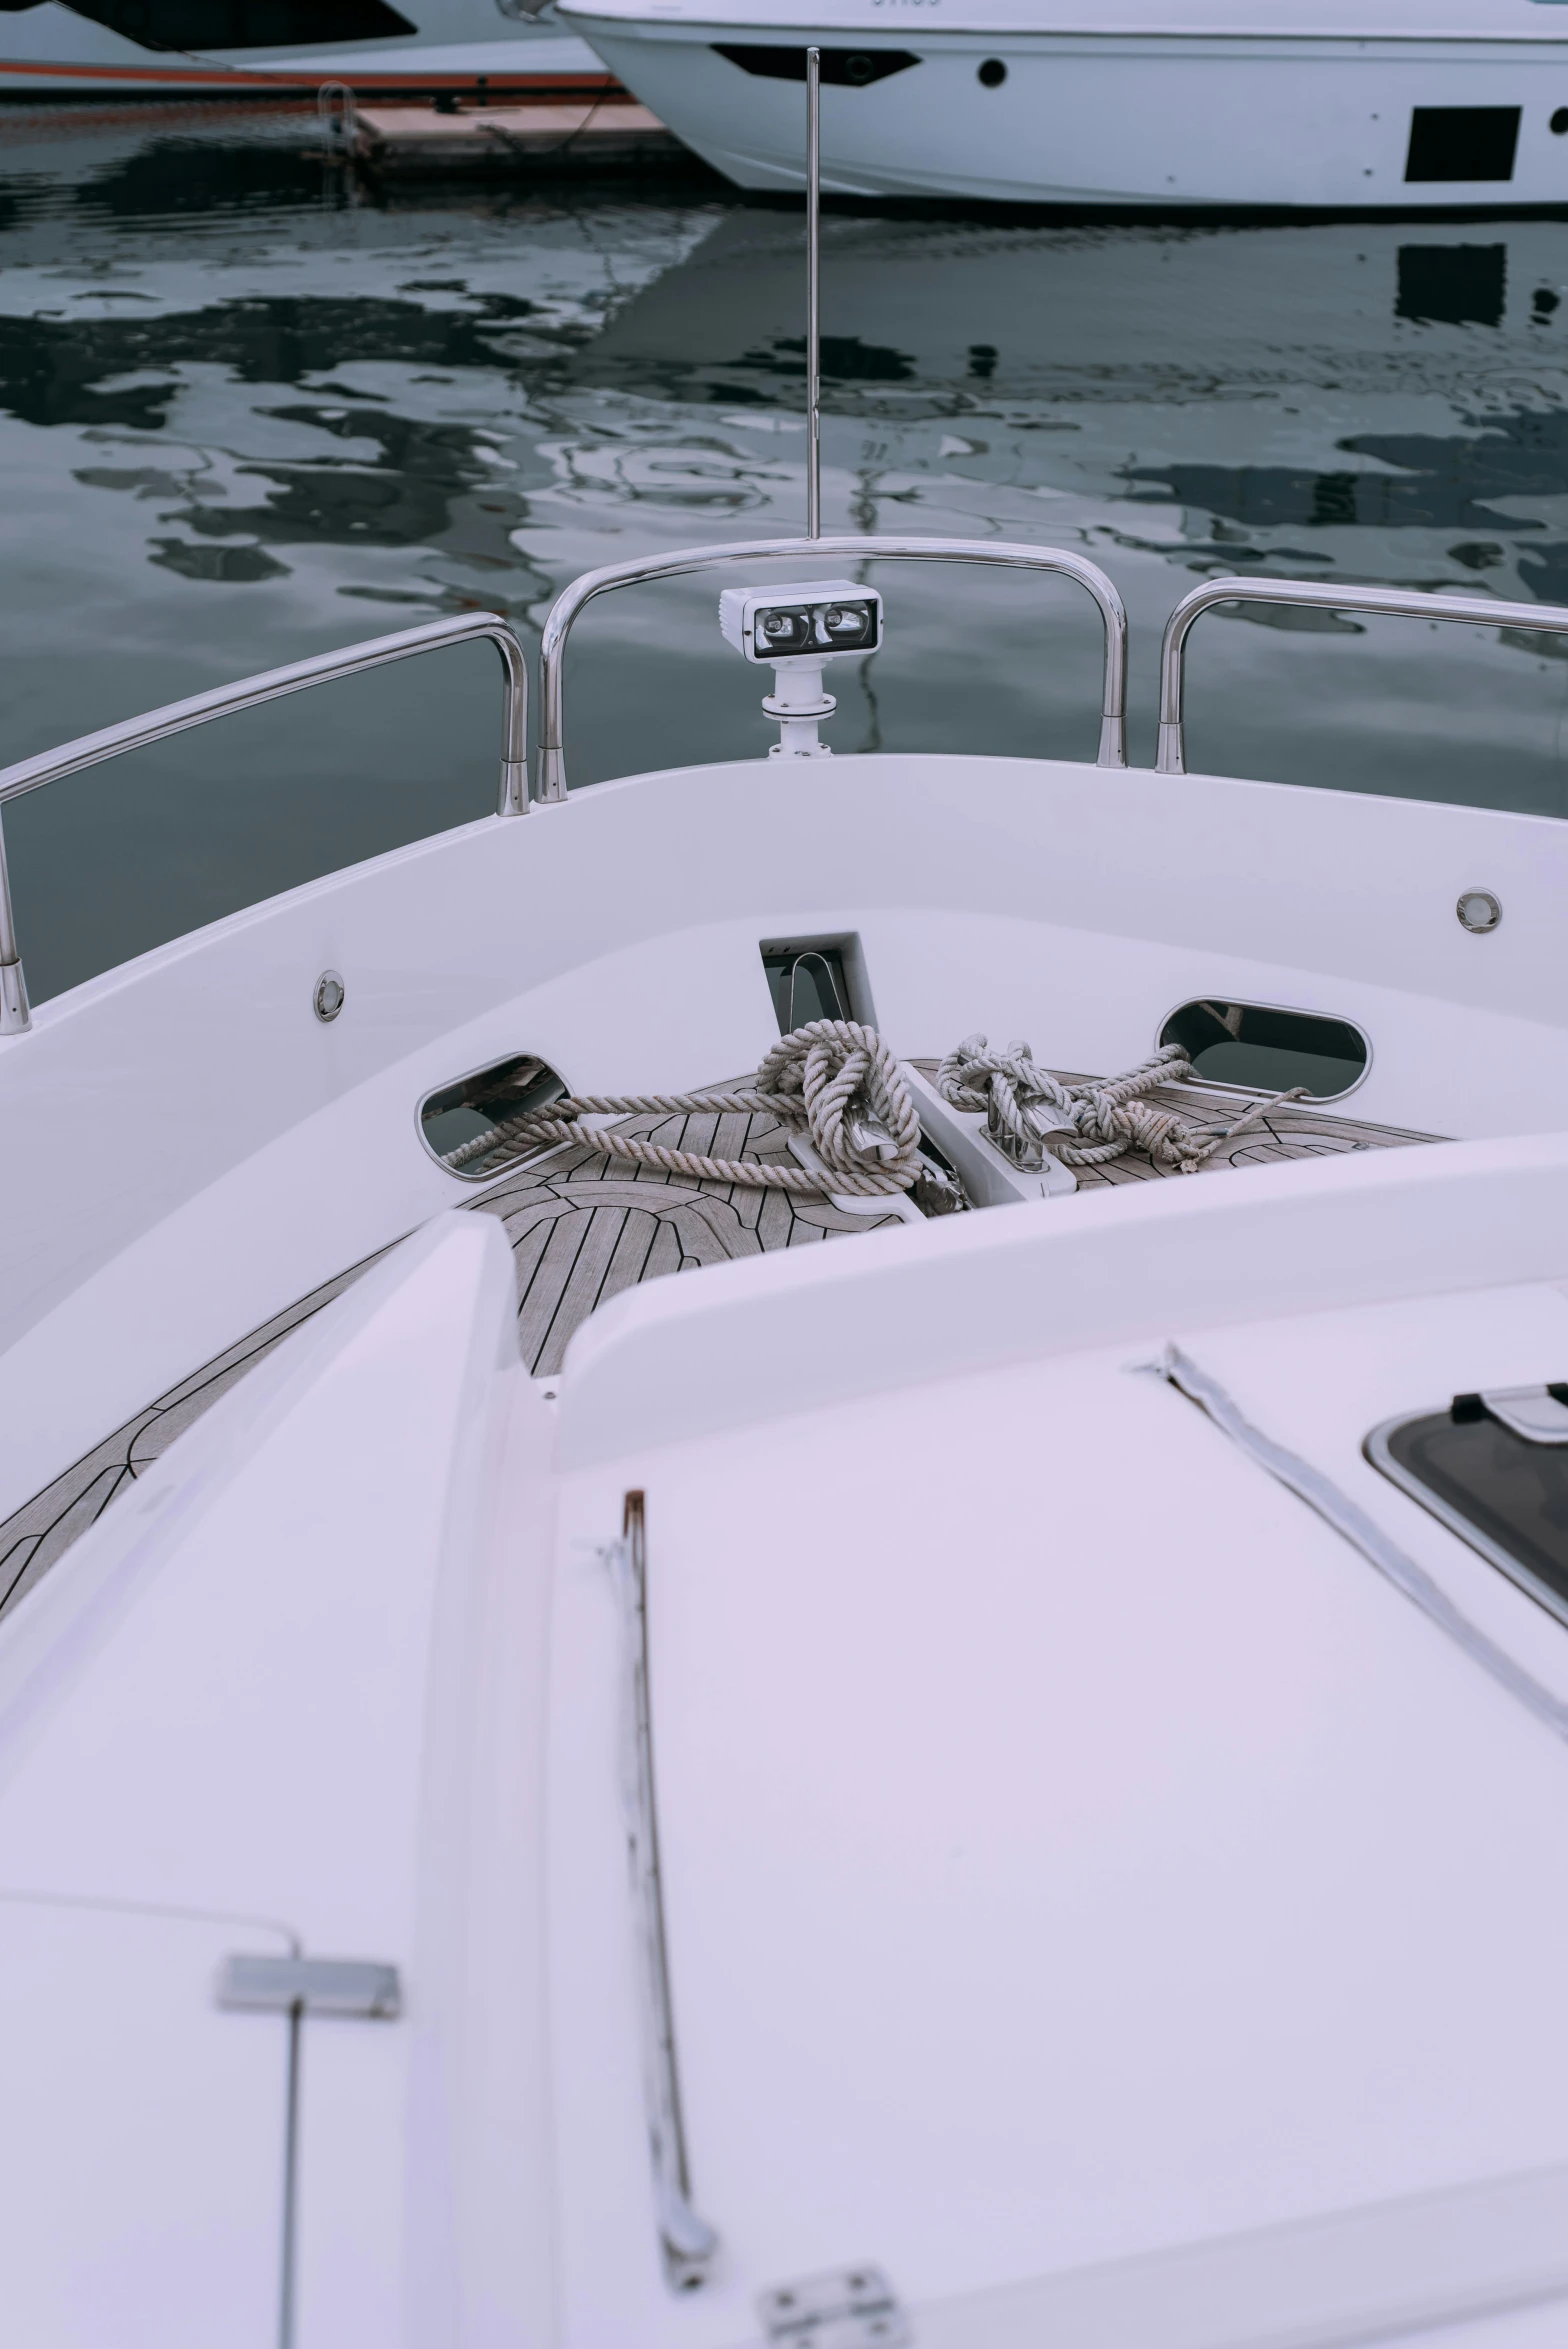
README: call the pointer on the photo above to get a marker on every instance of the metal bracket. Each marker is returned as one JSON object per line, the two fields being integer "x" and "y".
{"x": 1538, "y": 1414}
{"x": 990, "y": 1178}
{"x": 851, "y": 2308}
{"x": 311, "y": 1986}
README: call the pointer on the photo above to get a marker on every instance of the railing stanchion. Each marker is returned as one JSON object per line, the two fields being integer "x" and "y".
{"x": 248, "y": 693}
{"x": 813, "y": 293}
{"x": 1057, "y": 560}
{"x": 14, "y": 1014}
{"x": 1323, "y": 595}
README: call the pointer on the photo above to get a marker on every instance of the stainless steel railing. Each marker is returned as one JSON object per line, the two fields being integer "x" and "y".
{"x": 552, "y": 650}
{"x": 1325, "y": 595}
{"x": 88, "y": 750}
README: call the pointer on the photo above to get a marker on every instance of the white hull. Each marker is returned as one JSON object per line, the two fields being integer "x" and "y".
{"x": 1253, "y": 108}
{"x": 1104, "y": 1881}
{"x": 50, "y": 52}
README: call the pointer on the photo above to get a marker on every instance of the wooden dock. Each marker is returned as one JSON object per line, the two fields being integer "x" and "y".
{"x": 534, "y": 140}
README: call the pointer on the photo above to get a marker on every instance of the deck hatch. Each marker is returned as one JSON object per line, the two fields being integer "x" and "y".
{"x": 1259, "y": 1047}
{"x": 1494, "y": 1468}
{"x": 1462, "y": 143}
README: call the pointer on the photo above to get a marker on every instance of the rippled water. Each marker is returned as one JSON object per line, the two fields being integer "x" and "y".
{"x": 248, "y": 413}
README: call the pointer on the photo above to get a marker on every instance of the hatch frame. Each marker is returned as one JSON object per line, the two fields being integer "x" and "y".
{"x": 1375, "y": 1449}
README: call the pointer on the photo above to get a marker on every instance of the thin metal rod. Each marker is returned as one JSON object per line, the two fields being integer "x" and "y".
{"x": 88, "y": 750}
{"x": 567, "y": 606}
{"x": 688, "y": 2243}
{"x": 1324, "y": 595}
{"x": 288, "y": 2257}
{"x": 1349, "y": 1519}
{"x": 813, "y": 293}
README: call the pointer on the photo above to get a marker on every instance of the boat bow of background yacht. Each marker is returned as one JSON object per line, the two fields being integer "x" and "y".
{"x": 117, "y": 49}
{"x": 1415, "y": 105}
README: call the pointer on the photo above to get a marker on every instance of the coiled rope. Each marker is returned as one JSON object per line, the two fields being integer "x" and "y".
{"x": 1025, "y": 1108}
{"x": 833, "y": 1080}
{"x": 837, "y": 1082}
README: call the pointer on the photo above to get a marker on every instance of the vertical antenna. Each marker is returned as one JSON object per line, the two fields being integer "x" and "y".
{"x": 813, "y": 293}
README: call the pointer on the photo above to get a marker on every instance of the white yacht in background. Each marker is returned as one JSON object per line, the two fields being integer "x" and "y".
{"x": 1409, "y": 105}
{"x": 206, "y": 48}
{"x": 987, "y": 1767}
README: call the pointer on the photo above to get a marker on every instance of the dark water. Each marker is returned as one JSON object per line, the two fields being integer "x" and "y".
{"x": 247, "y": 413}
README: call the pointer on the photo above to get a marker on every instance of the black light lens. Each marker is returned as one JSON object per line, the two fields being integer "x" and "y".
{"x": 783, "y": 631}
{"x": 848, "y": 626}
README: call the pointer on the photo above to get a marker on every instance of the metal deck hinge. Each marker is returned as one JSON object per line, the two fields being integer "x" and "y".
{"x": 312, "y": 1986}
{"x": 851, "y": 2308}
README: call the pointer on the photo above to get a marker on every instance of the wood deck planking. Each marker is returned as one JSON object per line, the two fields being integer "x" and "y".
{"x": 584, "y": 1228}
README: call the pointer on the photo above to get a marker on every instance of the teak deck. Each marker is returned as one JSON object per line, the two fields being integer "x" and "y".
{"x": 583, "y": 1228}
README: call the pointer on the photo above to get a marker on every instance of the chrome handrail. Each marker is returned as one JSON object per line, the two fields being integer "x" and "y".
{"x": 88, "y": 750}
{"x": 552, "y": 650}
{"x": 1324, "y": 595}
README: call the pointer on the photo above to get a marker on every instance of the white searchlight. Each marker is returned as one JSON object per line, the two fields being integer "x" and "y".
{"x": 794, "y": 629}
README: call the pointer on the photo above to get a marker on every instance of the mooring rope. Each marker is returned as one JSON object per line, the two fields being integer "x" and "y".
{"x": 838, "y": 1083}
{"x": 833, "y": 1080}
{"x": 1026, "y": 1109}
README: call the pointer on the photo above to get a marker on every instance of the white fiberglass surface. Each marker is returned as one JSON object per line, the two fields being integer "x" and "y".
{"x": 968, "y": 17}
{"x": 1071, "y": 1848}
{"x": 258, "y": 1152}
{"x": 129, "y": 2096}
{"x": 254, "y": 1696}
{"x": 1541, "y": 2327}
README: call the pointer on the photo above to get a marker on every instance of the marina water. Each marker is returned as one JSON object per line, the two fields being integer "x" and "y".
{"x": 249, "y": 410}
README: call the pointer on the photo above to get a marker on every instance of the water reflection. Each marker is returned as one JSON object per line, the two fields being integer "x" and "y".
{"x": 1452, "y": 285}
{"x": 239, "y": 405}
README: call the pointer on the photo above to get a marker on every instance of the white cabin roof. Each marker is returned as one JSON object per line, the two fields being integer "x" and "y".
{"x": 1076, "y": 1855}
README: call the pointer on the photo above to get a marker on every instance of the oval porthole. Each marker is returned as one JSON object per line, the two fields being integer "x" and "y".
{"x": 1260, "y": 1049}
{"x": 463, "y": 1124}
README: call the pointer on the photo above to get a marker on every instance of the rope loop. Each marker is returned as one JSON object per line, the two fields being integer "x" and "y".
{"x": 839, "y": 1081}
{"x": 833, "y": 1080}
{"x": 1026, "y": 1109}
{"x": 836, "y": 1082}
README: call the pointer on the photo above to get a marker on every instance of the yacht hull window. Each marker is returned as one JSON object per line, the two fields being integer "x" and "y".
{"x": 1501, "y": 1489}
{"x": 204, "y": 25}
{"x": 1262, "y": 1049}
{"x": 1462, "y": 143}
{"x": 842, "y": 69}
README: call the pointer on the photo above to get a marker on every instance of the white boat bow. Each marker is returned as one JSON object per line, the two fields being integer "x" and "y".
{"x": 1098, "y": 1837}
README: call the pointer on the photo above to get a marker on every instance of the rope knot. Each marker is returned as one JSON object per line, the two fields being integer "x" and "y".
{"x": 840, "y": 1081}
{"x": 1027, "y": 1110}
{"x": 1022, "y": 1104}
